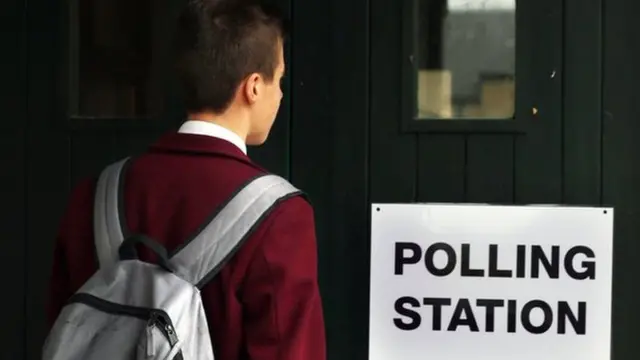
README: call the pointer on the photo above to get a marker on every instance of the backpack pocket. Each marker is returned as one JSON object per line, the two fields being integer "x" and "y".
{"x": 158, "y": 339}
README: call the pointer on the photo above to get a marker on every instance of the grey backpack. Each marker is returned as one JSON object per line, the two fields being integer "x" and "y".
{"x": 131, "y": 309}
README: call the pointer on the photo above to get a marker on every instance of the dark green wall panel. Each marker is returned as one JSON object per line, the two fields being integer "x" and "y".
{"x": 621, "y": 166}
{"x": 441, "y": 167}
{"x": 13, "y": 223}
{"x": 582, "y": 125}
{"x": 489, "y": 175}
{"x": 393, "y": 155}
{"x": 13, "y": 255}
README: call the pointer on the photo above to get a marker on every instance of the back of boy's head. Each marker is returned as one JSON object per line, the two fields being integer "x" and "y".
{"x": 218, "y": 43}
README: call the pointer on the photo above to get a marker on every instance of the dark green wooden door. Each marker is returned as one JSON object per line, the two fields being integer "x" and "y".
{"x": 576, "y": 105}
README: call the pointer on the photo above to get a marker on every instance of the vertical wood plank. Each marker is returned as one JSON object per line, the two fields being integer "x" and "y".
{"x": 90, "y": 153}
{"x": 621, "y": 173}
{"x": 490, "y": 169}
{"x": 13, "y": 68}
{"x": 13, "y": 93}
{"x": 441, "y": 168}
{"x": 47, "y": 162}
{"x": 311, "y": 139}
{"x": 393, "y": 155}
{"x": 538, "y": 154}
{"x": 583, "y": 102}
{"x": 48, "y": 189}
{"x": 349, "y": 191}
{"x": 13, "y": 254}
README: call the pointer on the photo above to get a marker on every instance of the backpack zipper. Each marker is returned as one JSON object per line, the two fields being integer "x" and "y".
{"x": 156, "y": 317}
{"x": 163, "y": 322}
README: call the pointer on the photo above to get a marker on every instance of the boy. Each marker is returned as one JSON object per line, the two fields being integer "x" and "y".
{"x": 265, "y": 303}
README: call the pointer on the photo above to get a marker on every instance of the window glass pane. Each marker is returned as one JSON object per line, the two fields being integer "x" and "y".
{"x": 110, "y": 58}
{"x": 465, "y": 59}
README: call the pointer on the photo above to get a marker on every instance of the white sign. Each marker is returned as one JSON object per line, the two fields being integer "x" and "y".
{"x": 480, "y": 282}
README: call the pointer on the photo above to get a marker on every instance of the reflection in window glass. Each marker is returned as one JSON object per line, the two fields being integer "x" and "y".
{"x": 110, "y": 58}
{"x": 465, "y": 53}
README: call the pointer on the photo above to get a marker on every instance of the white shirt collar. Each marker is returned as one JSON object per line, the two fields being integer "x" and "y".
{"x": 198, "y": 127}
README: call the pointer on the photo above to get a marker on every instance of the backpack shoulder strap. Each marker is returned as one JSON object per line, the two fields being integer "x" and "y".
{"x": 108, "y": 222}
{"x": 200, "y": 259}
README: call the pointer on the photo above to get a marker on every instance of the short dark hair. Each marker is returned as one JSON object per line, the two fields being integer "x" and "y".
{"x": 219, "y": 43}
